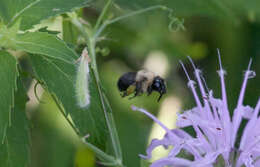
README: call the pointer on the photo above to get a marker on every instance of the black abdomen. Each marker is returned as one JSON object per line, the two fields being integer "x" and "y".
{"x": 126, "y": 80}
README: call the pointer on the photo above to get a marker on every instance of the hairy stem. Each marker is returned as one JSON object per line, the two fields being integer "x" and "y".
{"x": 110, "y": 122}
{"x": 100, "y": 154}
{"x": 102, "y": 15}
{"x": 141, "y": 11}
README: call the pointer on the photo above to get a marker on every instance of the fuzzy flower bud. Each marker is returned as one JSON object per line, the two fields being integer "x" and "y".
{"x": 82, "y": 80}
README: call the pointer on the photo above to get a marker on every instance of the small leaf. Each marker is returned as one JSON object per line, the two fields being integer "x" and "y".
{"x": 32, "y": 12}
{"x": 59, "y": 78}
{"x": 104, "y": 51}
{"x": 15, "y": 149}
{"x": 44, "y": 44}
{"x": 8, "y": 75}
{"x": 220, "y": 162}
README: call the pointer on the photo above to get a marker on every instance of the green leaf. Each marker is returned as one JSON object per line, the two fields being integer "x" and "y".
{"x": 7, "y": 34}
{"x": 44, "y": 44}
{"x": 10, "y": 9}
{"x": 8, "y": 74}
{"x": 37, "y": 43}
{"x": 33, "y": 11}
{"x": 59, "y": 78}
{"x": 15, "y": 149}
{"x": 220, "y": 162}
{"x": 69, "y": 32}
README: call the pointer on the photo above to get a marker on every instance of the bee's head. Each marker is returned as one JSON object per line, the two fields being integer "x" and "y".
{"x": 159, "y": 86}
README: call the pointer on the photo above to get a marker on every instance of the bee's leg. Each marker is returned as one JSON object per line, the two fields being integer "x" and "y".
{"x": 124, "y": 94}
{"x": 138, "y": 89}
{"x": 149, "y": 90}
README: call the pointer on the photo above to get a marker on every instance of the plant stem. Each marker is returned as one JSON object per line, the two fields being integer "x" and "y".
{"x": 92, "y": 52}
{"x": 80, "y": 27}
{"x": 103, "y": 156}
{"x": 110, "y": 122}
{"x": 113, "y": 125}
{"x": 108, "y": 22}
{"x": 102, "y": 15}
{"x": 91, "y": 43}
{"x": 108, "y": 115}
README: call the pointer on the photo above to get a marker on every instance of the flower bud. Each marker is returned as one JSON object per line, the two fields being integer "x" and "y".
{"x": 82, "y": 80}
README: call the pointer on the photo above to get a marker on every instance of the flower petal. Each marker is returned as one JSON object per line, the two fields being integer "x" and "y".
{"x": 176, "y": 162}
{"x": 154, "y": 143}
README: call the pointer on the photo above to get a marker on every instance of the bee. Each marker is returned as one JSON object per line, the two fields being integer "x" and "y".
{"x": 140, "y": 82}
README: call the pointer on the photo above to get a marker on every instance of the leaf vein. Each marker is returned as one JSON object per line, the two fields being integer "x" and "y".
{"x": 46, "y": 47}
{"x": 22, "y": 10}
{"x": 59, "y": 69}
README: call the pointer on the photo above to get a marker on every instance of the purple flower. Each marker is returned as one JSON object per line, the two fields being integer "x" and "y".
{"x": 216, "y": 131}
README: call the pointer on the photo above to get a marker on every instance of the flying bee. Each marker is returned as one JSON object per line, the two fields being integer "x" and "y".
{"x": 140, "y": 82}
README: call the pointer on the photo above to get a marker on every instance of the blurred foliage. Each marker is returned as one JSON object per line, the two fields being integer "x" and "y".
{"x": 54, "y": 143}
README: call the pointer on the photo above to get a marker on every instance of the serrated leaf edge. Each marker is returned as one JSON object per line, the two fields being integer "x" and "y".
{"x": 84, "y": 4}
{"x": 66, "y": 46}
